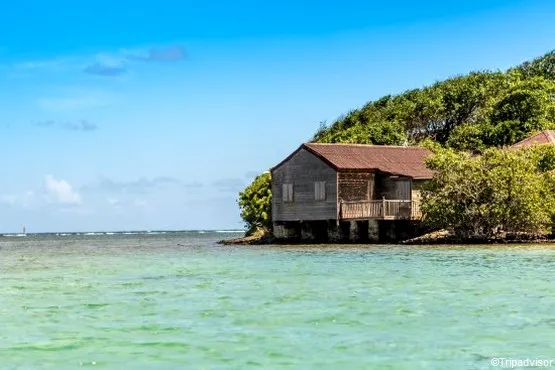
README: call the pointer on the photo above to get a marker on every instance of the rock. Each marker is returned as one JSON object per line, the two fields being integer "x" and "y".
{"x": 260, "y": 237}
{"x": 447, "y": 237}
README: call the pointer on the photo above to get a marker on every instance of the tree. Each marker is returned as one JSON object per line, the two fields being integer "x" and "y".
{"x": 255, "y": 202}
{"x": 470, "y": 137}
{"x": 381, "y": 133}
{"x": 527, "y": 107}
{"x": 431, "y": 112}
{"x": 543, "y": 66}
{"x": 485, "y": 195}
{"x": 466, "y": 99}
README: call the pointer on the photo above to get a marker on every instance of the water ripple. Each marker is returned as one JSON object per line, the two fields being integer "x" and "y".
{"x": 173, "y": 300}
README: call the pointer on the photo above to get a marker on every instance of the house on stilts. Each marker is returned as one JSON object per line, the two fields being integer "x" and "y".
{"x": 349, "y": 192}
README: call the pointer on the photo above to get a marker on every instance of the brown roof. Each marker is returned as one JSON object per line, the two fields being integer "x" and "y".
{"x": 543, "y": 137}
{"x": 398, "y": 160}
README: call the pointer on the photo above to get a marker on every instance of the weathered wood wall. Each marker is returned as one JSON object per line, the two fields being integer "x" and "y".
{"x": 302, "y": 170}
{"x": 355, "y": 186}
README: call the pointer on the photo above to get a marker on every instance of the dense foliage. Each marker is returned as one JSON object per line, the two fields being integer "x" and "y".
{"x": 500, "y": 191}
{"x": 543, "y": 66}
{"x": 471, "y": 113}
{"x": 256, "y": 204}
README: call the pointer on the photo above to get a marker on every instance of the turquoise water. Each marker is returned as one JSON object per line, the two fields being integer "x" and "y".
{"x": 178, "y": 301}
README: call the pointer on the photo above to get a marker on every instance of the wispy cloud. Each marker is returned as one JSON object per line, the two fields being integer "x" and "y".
{"x": 172, "y": 53}
{"x": 41, "y": 64}
{"x": 49, "y": 123}
{"x": 53, "y": 193}
{"x": 139, "y": 186}
{"x": 194, "y": 184}
{"x": 106, "y": 64}
{"x": 253, "y": 174}
{"x": 75, "y": 100}
{"x": 81, "y": 125}
{"x": 23, "y": 199}
{"x": 105, "y": 70}
{"x": 230, "y": 185}
{"x": 128, "y": 205}
{"x": 28, "y": 68}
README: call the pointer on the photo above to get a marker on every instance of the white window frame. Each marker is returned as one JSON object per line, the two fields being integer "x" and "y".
{"x": 320, "y": 191}
{"x": 287, "y": 193}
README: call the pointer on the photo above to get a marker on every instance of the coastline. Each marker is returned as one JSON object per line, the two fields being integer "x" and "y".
{"x": 441, "y": 237}
{"x": 259, "y": 237}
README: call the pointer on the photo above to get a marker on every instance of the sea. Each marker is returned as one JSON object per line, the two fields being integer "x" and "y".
{"x": 180, "y": 300}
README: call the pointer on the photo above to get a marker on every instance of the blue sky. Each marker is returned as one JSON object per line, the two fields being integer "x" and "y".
{"x": 154, "y": 114}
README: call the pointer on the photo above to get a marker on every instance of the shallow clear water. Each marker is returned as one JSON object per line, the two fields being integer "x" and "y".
{"x": 181, "y": 301}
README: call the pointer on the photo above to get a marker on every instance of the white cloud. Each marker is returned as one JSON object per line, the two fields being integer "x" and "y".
{"x": 113, "y": 201}
{"x": 24, "y": 199}
{"x": 8, "y": 199}
{"x": 60, "y": 191}
{"x": 81, "y": 211}
{"x": 72, "y": 103}
{"x": 41, "y": 64}
{"x": 140, "y": 203}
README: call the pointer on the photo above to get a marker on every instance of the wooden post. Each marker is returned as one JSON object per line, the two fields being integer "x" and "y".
{"x": 383, "y": 206}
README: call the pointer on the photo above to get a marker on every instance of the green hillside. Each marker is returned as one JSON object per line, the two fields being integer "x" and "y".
{"x": 473, "y": 111}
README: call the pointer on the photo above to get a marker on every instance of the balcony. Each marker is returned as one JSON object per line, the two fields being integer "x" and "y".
{"x": 380, "y": 210}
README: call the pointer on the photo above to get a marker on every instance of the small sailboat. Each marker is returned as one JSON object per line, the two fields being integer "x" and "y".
{"x": 23, "y": 233}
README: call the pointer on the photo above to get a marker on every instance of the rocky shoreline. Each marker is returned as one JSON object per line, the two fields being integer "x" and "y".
{"x": 432, "y": 238}
{"x": 445, "y": 237}
{"x": 259, "y": 237}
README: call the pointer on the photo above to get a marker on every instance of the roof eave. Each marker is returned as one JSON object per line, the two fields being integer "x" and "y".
{"x": 310, "y": 150}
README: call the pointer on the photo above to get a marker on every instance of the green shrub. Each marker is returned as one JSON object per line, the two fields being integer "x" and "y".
{"x": 255, "y": 202}
{"x": 498, "y": 191}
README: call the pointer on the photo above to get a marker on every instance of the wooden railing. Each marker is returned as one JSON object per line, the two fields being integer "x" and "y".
{"x": 380, "y": 209}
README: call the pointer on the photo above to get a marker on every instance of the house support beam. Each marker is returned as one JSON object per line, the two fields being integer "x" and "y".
{"x": 335, "y": 232}
{"x": 307, "y": 232}
{"x": 286, "y": 230}
{"x": 373, "y": 231}
{"x": 354, "y": 232}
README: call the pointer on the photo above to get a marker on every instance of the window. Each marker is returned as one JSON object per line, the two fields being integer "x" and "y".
{"x": 320, "y": 190}
{"x": 287, "y": 192}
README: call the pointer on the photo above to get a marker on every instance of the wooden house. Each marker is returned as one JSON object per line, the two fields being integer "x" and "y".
{"x": 351, "y": 192}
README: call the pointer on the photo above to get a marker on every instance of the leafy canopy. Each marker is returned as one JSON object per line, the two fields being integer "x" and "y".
{"x": 256, "y": 204}
{"x": 470, "y": 112}
{"x": 498, "y": 191}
